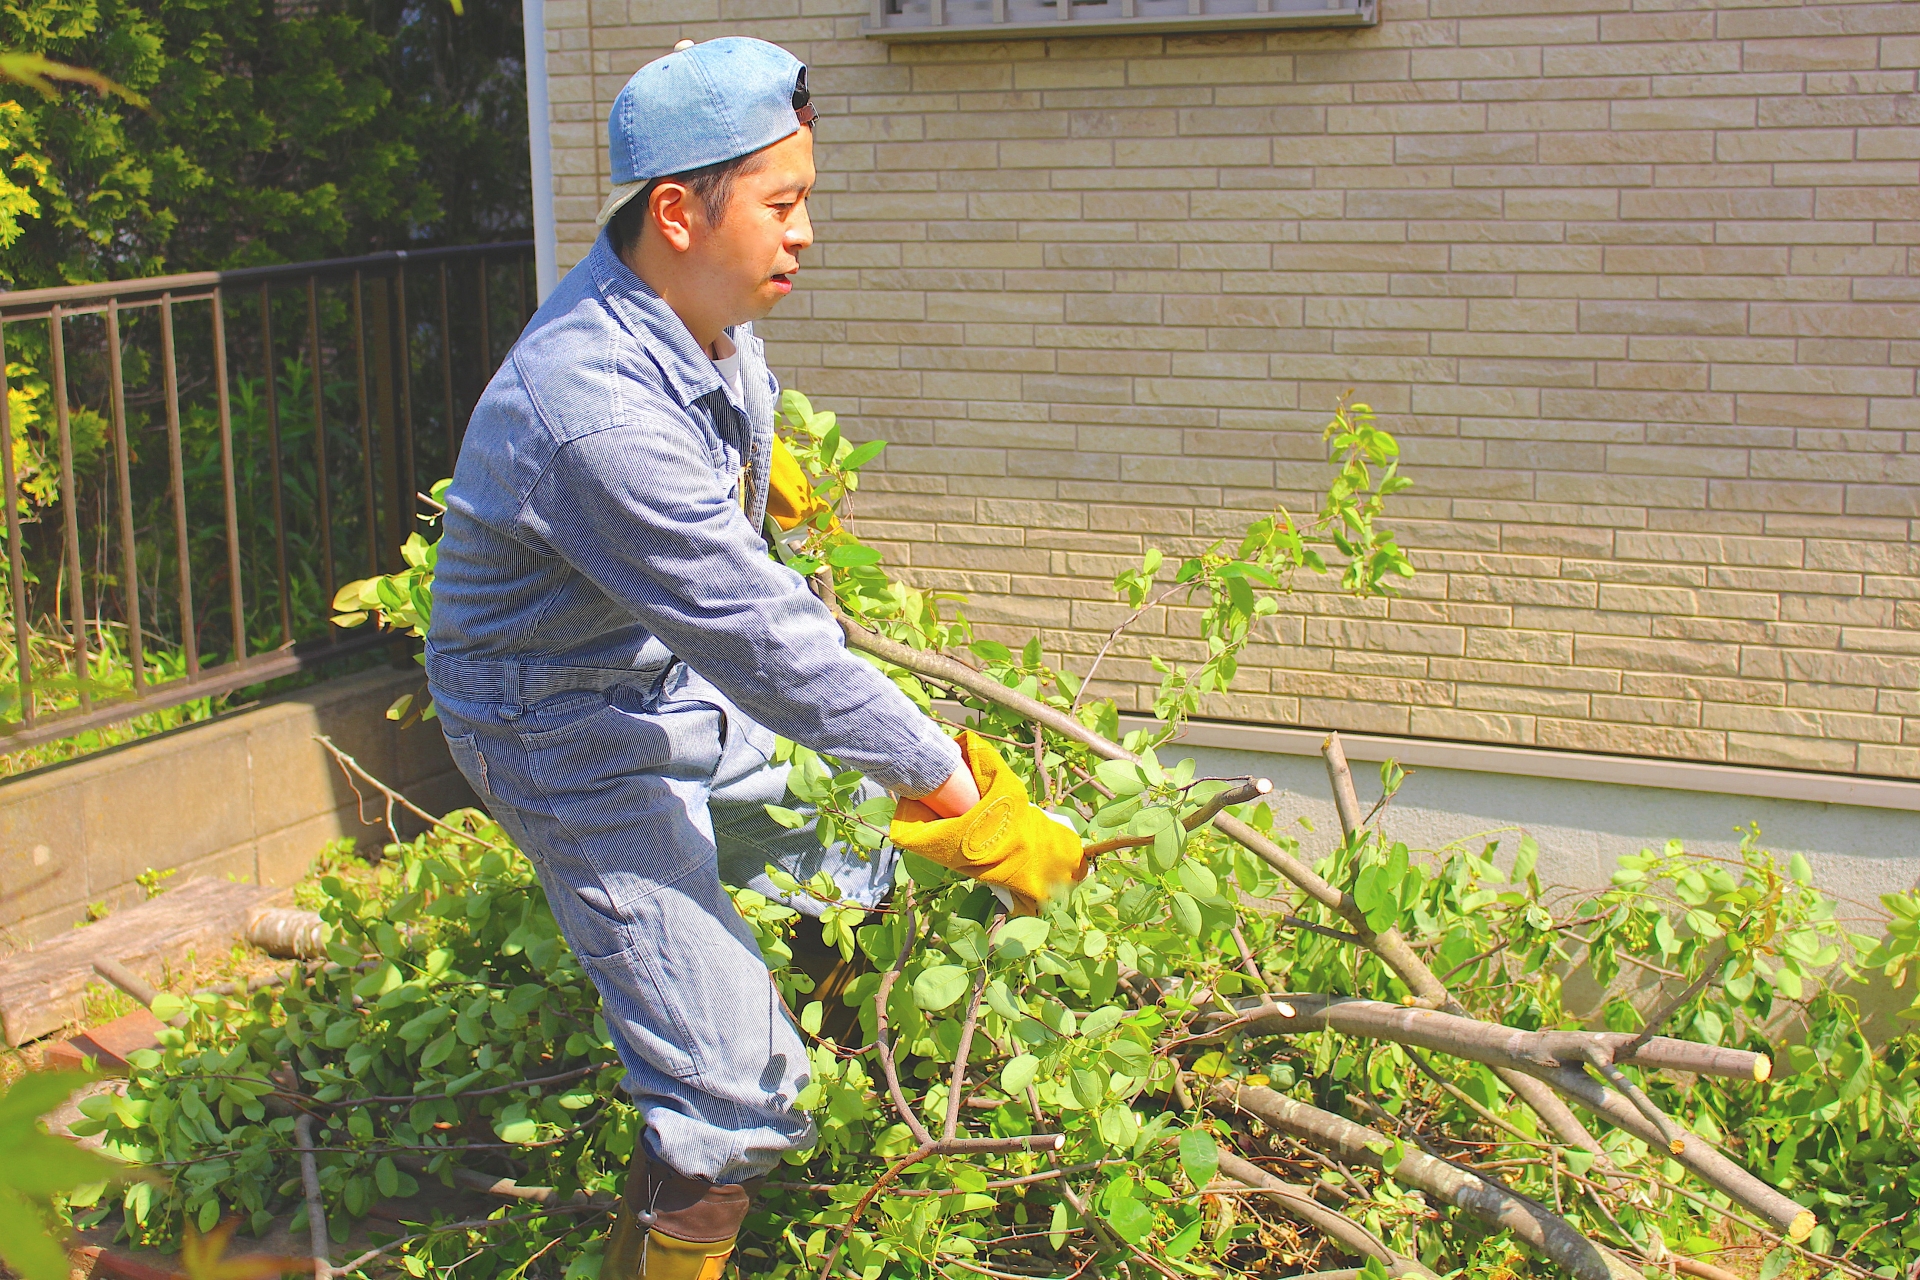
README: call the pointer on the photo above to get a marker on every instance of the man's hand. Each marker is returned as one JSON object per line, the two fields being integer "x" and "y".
{"x": 982, "y": 824}
{"x": 956, "y": 795}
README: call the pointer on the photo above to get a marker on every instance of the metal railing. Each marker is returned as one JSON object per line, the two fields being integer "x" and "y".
{"x": 178, "y": 529}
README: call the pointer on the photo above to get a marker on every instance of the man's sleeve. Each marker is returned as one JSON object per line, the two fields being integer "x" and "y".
{"x": 639, "y": 511}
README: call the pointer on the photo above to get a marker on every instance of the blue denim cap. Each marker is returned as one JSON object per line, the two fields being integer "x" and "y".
{"x": 700, "y": 105}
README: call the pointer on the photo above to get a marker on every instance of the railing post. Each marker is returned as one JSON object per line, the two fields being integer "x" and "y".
{"x": 236, "y": 597}
{"x": 123, "y": 469}
{"x": 446, "y": 374}
{"x": 270, "y": 382}
{"x": 70, "y": 506}
{"x": 189, "y": 629}
{"x": 323, "y": 490}
{"x": 372, "y": 531}
{"x": 402, "y": 355}
{"x": 16, "y": 561}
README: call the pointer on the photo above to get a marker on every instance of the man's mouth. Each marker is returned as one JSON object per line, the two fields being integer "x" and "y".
{"x": 783, "y": 283}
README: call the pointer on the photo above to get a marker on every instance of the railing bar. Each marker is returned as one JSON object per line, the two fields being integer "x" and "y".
{"x": 189, "y": 632}
{"x": 16, "y": 561}
{"x": 366, "y": 427}
{"x": 403, "y": 344}
{"x": 70, "y": 504}
{"x": 486, "y": 332}
{"x": 273, "y": 444}
{"x": 323, "y": 492}
{"x": 179, "y": 286}
{"x": 446, "y": 374}
{"x": 123, "y": 461}
{"x": 236, "y": 596}
{"x": 211, "y": 682}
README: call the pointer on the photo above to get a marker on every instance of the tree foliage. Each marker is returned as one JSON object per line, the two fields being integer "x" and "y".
{"x": 257, "y": 131}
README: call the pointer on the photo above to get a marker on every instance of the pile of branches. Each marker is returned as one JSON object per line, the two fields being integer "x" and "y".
{"x": 1219, "y": 1054}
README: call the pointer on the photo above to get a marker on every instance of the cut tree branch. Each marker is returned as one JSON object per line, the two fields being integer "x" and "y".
{"x": 1490, "y": 1042}
{"x": 1535, "y": 1087}
{"x": 1500, "y": 1207}
{"x": 1297, "y": 1202}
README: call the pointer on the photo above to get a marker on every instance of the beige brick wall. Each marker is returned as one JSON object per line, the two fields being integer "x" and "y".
{"x": 1636, "y": 283}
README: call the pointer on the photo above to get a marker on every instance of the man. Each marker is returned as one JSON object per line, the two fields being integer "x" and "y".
{"x": 613, "y": 649}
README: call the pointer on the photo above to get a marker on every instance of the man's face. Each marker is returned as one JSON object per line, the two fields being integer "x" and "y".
{"x": 747, "y": 263}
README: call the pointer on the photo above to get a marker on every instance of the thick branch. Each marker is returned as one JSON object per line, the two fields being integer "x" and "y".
{"x": 1793, "y": 1219}
{"x": 1552, "y": 1236}
{"x": 316, "y": 1206}
{"x": 1490, "y": 1042}
{"x": 1296, "y": 1202}
{"x": 1412, "y": 970}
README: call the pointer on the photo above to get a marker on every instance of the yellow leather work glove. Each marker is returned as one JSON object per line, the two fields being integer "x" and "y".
{"x": 790, "y": 496}
{"x": 1004, "y": 840}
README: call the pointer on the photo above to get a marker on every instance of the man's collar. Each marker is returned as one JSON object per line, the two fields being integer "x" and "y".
{"x": 687, "y": 368}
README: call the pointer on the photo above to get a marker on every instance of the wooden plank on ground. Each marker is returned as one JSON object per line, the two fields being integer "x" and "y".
{"x": 43, "y": 989}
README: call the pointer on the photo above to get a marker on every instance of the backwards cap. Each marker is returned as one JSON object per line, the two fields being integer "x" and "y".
{"x": 700, "y": 105}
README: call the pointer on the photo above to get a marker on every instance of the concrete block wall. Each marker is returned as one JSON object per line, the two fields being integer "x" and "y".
{"x": 1635, "y": 281}
{"x": 249, "y": 796}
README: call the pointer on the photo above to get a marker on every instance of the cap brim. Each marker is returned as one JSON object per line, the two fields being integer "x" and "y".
{"x": 617, "y": 197}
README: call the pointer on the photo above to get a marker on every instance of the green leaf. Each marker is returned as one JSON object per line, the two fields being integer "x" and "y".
{"x": 1056, "y": 1230}
{"x": 862, "y": 455}
{"x": 1129, "y": 1217}
{"x": 1524, "y": 861}
{"x": 514, "y": 1125}
{"x": 26, "y": 1245}
{"x": 810, "y": 1017}
{"x": 1129, "y": 1057}
{"x": 1019, "y": 1073}
{"x": 1122, "y": 777}
{"x": 1198, "y": 880}
{"x": 1184, "y": 1240}
{"x": 166, "y": 1006}
{"x": 852, "y": 555}
{"x": 386, "y": 1176}
{"x": 788, "y": 818}
{"x": 1186, "y": 914}
{"x": 939, "y": 986}
{"x": 1021, "y": 936}
{"x": 1199, "y": 1156}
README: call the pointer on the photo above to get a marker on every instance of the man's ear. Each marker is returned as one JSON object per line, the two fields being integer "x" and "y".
{"x": 672, "y": 213}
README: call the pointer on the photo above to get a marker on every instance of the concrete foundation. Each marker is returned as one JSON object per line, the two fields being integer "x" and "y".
{"x": 250, "y": 796}
{"x": 1862, "y": 835}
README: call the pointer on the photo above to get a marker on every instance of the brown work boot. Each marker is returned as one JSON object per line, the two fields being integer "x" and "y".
{"x": 673, "y": 1228}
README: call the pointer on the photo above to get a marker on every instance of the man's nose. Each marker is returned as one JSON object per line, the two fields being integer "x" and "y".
{"x": 799, "y": 231}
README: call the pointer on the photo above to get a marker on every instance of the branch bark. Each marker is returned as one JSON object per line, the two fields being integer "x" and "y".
{"x": 1548, "y": 1234}
{"x": 1296, "y": 1202}
{"x": 1490, "y": 1042}
{"x": 316, "y": 1205}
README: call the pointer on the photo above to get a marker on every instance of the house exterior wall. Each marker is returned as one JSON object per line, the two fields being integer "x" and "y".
{"x": 1635, "y": 283}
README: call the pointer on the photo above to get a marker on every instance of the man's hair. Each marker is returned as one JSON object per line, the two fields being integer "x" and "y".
{"x": 711, "y": 185}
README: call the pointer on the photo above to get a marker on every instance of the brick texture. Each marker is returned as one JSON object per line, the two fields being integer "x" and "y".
{"x": 1635, "y": 282}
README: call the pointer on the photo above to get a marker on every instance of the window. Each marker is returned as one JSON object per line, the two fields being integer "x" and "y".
{"x": 1038, "y": 19}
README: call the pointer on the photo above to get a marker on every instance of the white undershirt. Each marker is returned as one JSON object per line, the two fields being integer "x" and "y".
{"x": 729, "y": 367}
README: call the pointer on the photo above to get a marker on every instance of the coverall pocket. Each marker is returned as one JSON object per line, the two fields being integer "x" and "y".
{"x": 465, "y": 750}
